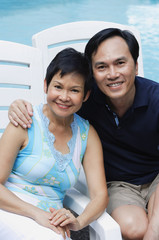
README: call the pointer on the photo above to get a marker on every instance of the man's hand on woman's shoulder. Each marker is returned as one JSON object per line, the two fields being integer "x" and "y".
{"x": 20, "y": 113}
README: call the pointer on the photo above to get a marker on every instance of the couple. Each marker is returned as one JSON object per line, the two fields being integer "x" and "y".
{"x": 123, "y": 109}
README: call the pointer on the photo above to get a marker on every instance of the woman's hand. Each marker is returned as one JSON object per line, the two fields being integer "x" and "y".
{"x": 64, "y": 218}
{"x": 43, "y": 218}
{"x": 20, "y": 113}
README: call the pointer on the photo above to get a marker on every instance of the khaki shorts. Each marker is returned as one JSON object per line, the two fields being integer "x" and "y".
{"x": 122, "y": 193}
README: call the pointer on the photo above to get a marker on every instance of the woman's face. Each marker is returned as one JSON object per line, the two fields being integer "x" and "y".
{"x": 65, "y": 95}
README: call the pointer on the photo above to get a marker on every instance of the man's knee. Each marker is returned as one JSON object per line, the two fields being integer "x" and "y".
{"x": 133, "y": 221}
{"x": 133, "y": 230}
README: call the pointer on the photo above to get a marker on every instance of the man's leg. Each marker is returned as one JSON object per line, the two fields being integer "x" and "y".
{"x": 132, "y": 220}
{"x": 152, "y": 232}
{"x": 127, "y": 206}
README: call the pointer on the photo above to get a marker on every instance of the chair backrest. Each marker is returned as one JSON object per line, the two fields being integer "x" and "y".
{"x": 21, "y": 74}
{"x": 76, "y": 35}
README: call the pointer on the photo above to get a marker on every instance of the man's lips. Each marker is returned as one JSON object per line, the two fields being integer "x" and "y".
{"x": 117, "y": 84}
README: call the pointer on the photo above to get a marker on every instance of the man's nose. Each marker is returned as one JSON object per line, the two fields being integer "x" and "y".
{"x": 112, "y": 73}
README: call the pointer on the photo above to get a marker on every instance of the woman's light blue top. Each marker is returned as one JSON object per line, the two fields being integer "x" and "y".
{"x": 41, "y": 175}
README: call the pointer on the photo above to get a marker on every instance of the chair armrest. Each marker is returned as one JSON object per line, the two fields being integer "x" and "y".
{"x": 104, "y": 226}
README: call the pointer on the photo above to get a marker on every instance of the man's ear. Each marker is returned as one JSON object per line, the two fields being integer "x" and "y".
{"x": 45, "y": 86}
{"x": 87, "y": 96}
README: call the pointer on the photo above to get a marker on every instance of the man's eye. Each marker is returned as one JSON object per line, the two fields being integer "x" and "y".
{"x": 57, "y": 86}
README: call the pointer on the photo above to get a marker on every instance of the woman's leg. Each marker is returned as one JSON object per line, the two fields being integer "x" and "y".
{"x": 16, "y": 227}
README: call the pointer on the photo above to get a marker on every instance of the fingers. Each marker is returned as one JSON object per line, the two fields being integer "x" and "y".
{"x": 52, "y": 215}
{"x": 12, "y": 121}
{"x": 64, "y": 231}
{"x": 54, "y": 212}
{"x": 69, "y": 219}
{"x": 55, "y": 229}
{"x": 19, "y": 119}
{"x": 29, "y": 108}
{"x": 52, "y": 209}
{"x": 61, "y": 217}
{"x": 18, "y": 113}
{"x": 61, "y": 230}
{"x": 67, "y": 231}
{"x": 58, "y": 216}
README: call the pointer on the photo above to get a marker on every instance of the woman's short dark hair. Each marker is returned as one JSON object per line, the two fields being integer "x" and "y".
{"x": 101, "y": 36}
{"x": 68, "y": 61}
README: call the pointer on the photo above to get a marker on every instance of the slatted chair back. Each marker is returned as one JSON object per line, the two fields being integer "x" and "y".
{"x": 21, "y": 74}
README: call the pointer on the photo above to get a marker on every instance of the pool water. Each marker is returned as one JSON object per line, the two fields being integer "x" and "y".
{"x": 20, "y": 19}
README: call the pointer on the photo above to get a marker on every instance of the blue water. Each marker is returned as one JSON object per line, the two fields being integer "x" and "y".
{"x": 20, "y": 19}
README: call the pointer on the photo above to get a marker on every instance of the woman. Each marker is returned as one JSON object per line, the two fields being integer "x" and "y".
{"x": 38, "y": 165}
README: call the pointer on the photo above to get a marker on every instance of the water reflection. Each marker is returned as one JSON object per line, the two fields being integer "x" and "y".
{"x": 145, "y": 19}
{"x": 20, "y": 19}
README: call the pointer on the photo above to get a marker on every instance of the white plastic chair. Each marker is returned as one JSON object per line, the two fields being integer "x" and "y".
{"x": 76, "y": 35}
{"x": 21, "y": 77}
{"x": 50, "y": 42}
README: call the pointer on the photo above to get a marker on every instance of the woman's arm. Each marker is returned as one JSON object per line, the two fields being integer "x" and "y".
{"x": 11, "y": 142}
{"x": 13, "y": 139}
{"x": 20, "y": 113}
{"x": 95, "y": 175}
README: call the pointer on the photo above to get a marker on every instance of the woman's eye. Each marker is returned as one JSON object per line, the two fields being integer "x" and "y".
{"x": 121, "y": 62}
{"x": 75, "y": 90}
{"x": 101, "y": 67}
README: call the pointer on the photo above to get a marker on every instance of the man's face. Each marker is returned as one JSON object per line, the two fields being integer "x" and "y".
{"x": 114, "y": 69}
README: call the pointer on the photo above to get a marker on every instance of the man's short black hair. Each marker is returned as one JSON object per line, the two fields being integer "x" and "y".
{"x": 98, "y": 38}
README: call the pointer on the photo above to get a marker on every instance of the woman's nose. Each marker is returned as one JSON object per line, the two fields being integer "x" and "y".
{"x": 64, "y": 96}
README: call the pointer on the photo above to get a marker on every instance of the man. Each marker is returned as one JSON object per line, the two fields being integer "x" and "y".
{"x": 123, "y": 108}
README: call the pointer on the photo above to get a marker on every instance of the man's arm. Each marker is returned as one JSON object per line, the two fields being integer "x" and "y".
{"x": 20, "y": 113}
